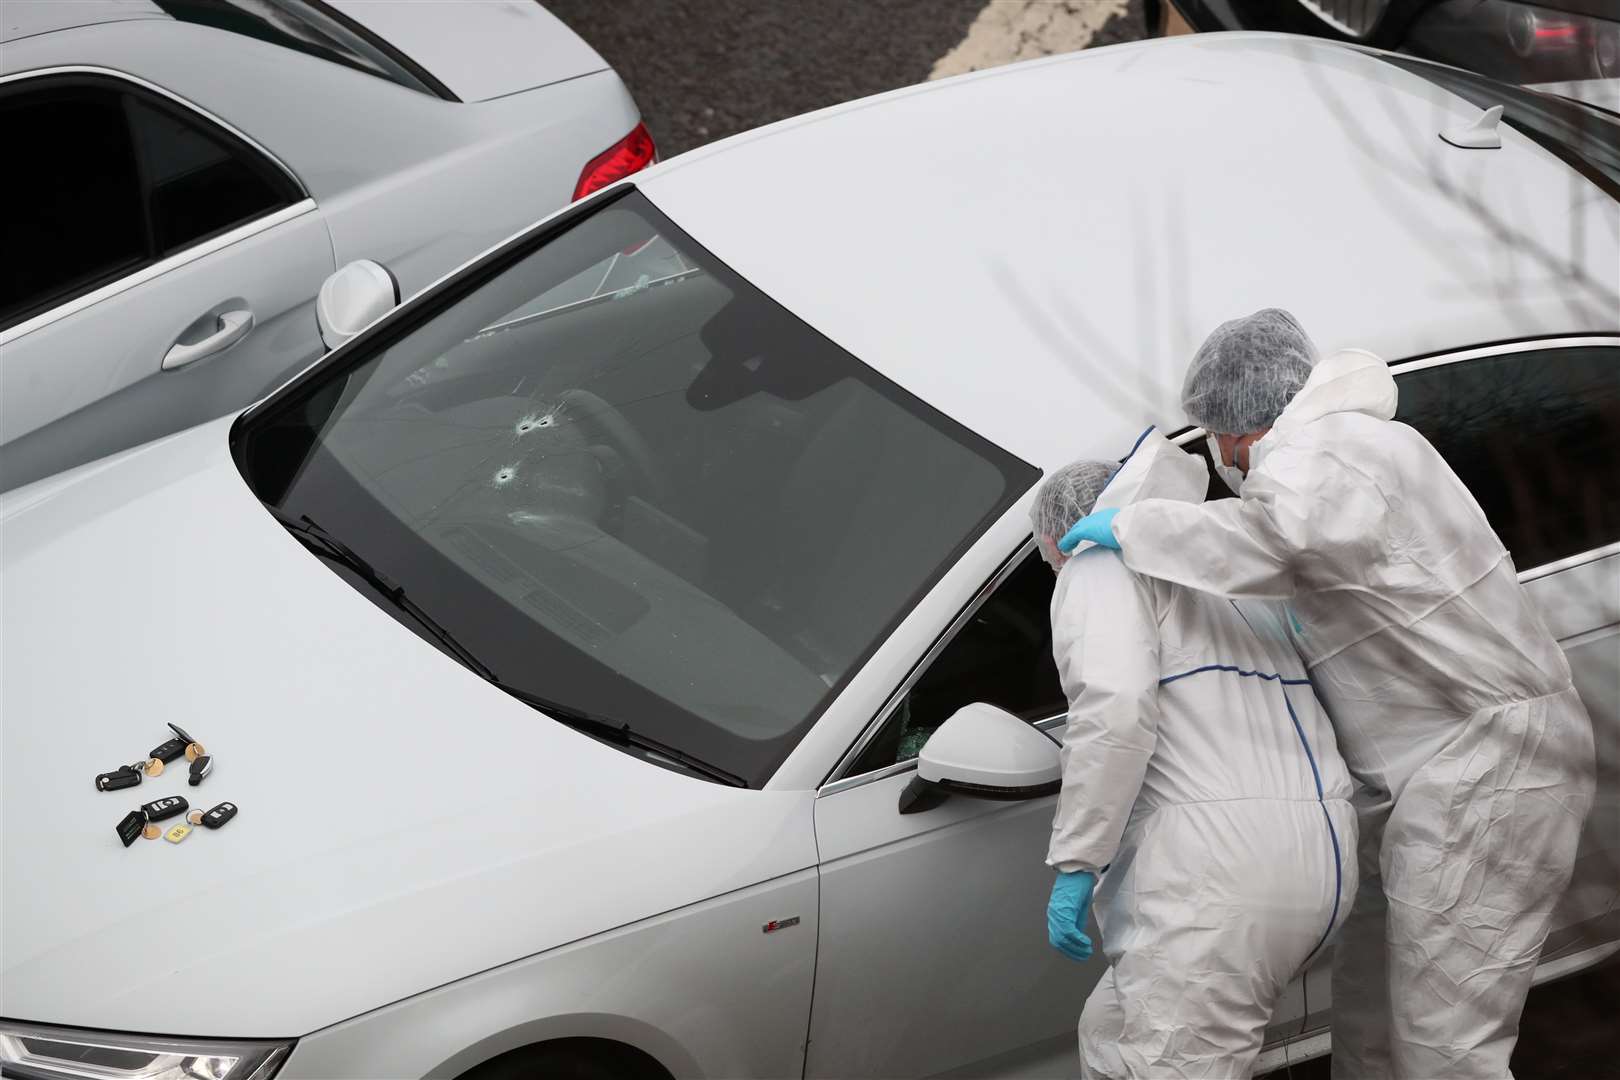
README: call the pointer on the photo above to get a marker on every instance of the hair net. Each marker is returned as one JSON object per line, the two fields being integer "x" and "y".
{"x": 1246, "y": 372}
{"x": 1064, "y": 498}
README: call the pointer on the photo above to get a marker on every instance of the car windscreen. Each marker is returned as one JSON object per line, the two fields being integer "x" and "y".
{"x": 1586, "y": 139}
{"x": 627, "y": 481}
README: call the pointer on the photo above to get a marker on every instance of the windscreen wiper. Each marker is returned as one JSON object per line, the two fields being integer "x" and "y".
{"x": 330, "y": 547}
{"x": 621, "y": 734}
{"x": 323, "y": 543}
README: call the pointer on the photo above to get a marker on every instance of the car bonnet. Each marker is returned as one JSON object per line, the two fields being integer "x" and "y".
{"x": 402, "y": 823}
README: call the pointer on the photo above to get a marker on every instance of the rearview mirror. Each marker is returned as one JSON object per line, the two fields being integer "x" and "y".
{"x": 987, "y": 753}
{"x": 352, "y": 299}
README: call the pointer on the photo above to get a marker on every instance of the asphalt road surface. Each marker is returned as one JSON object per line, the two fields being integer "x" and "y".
{"x": 704, "y": 69}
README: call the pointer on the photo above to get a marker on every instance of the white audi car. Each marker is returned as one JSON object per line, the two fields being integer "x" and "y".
{"x": 565, "y": 642}
{"x": 183, "y": 174}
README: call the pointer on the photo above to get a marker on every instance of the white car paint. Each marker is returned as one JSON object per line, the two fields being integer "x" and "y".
{"x": 1144, "y": 194}
{"x": 965, "y": 282}
{"x": 382, "y": 789}
{"x": 483, "y": 49}
{"x": 1602, "y": 93}
{"x": 378, "y": 162}
{"x": 27, "y": 19}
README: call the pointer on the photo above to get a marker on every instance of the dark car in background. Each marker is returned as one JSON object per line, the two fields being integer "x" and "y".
{"x": 1555, "y": 41}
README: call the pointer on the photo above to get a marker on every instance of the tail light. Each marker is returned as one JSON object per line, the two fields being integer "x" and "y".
{"x": 1529, "y": 32}
{"x": 630, "y": 154}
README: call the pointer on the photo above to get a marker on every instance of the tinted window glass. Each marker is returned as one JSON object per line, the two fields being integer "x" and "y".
{"x": 1536, "y": 437}
{"x": 113, "y": 179}
{"x": 630, "y": 483}
{"x": 197, "y": 185}
{"x": 1002, "y": 656}
{"x": 72, "y": 196}
{"x": 312, "y": 28}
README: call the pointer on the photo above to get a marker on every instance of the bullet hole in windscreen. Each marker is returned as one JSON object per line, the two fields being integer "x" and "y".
{"x": 535, "y": 422}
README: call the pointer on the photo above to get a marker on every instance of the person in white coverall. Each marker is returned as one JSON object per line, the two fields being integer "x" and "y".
{"x": 1201, "y": 784}
{"x": 1451, "y": 700}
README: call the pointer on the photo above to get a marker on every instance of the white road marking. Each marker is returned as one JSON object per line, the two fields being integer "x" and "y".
{"x": 1010, "y": 30}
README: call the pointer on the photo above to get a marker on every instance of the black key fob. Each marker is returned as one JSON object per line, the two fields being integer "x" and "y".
{"x": 219, "y": 815}
{"x": 200, "y": 768}
{"x": 181, "y": 733}
{"x": 164, "y": 808}
{"x": 129, "y": 830}
{"x": 122, "y": 777}
{"x": 167, "y": 752}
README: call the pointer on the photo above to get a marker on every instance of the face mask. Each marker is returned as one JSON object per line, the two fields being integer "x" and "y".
{"x": 1231, "y": 475}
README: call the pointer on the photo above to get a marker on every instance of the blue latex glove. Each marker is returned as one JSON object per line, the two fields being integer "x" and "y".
{"x": 1098, "y": 528}
{"x": 1066, "y": 913}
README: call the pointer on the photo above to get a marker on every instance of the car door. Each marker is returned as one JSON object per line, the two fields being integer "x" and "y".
{"x": 1533, "y": 429}
{"x": 160, "y": 269}
{"x": 933, "y": 934}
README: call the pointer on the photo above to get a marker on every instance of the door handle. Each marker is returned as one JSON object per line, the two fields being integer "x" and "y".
{"x": 233, "y": 327}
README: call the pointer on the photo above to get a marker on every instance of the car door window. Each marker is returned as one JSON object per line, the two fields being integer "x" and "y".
{"x": 196, "y": 186}
{"x": 1536, "y": 437}
{"x": 115, "y": 179}
{"x": 1002, "y": 656}
{"x": 73, "y": 197}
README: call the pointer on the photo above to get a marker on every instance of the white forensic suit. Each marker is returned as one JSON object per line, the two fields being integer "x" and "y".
{"x": 1451, "y": 700}
{"x": 1201, "y": 781}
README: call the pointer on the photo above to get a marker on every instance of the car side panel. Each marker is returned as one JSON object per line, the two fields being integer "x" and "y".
{"x": 1582, "y": 608}
{"x": 418, "y": 183}
{"x": 521, "y": 159}
{"x": 335, "y": 127}
{"x": 935, "y": 954}
{"x": 480, "y": 51}
{"x": 92, "y": 382}
{"x": 703, "y": 990}
{"x": 415, "y": 182}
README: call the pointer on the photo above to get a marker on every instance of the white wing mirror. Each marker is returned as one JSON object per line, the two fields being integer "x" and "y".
{"x": 985, "y": 752}
{"x": 352, "y": 299}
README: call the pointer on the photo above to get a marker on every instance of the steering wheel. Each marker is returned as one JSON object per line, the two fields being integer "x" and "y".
{"x": 593, "y": 412}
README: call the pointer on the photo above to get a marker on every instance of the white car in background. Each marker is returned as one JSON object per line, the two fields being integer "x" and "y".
{"x": 183, "y": 174}
{"x": 567, "y": 638}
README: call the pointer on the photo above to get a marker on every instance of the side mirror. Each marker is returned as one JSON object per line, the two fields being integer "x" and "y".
{"x": 352, "y": 299}
{"x": 985, "y": 752}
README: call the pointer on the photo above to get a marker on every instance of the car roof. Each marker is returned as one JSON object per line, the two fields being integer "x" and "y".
{"x": 1037, "y": 250}
{"x": 21, "y": 18}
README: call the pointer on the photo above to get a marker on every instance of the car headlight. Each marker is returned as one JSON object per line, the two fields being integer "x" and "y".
{"x": 34, "y": 1052}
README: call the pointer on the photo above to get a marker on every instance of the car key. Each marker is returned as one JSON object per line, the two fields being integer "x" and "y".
{"x": 168, "y": 751}
{"x": 159, "y": 809}
{"x": 193, "y": 749}
{"x": 218, "y": 816}
{"x": 129, "y": 829}
{"x": 122, "y": 777}
{"x": 200, "y": 768}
